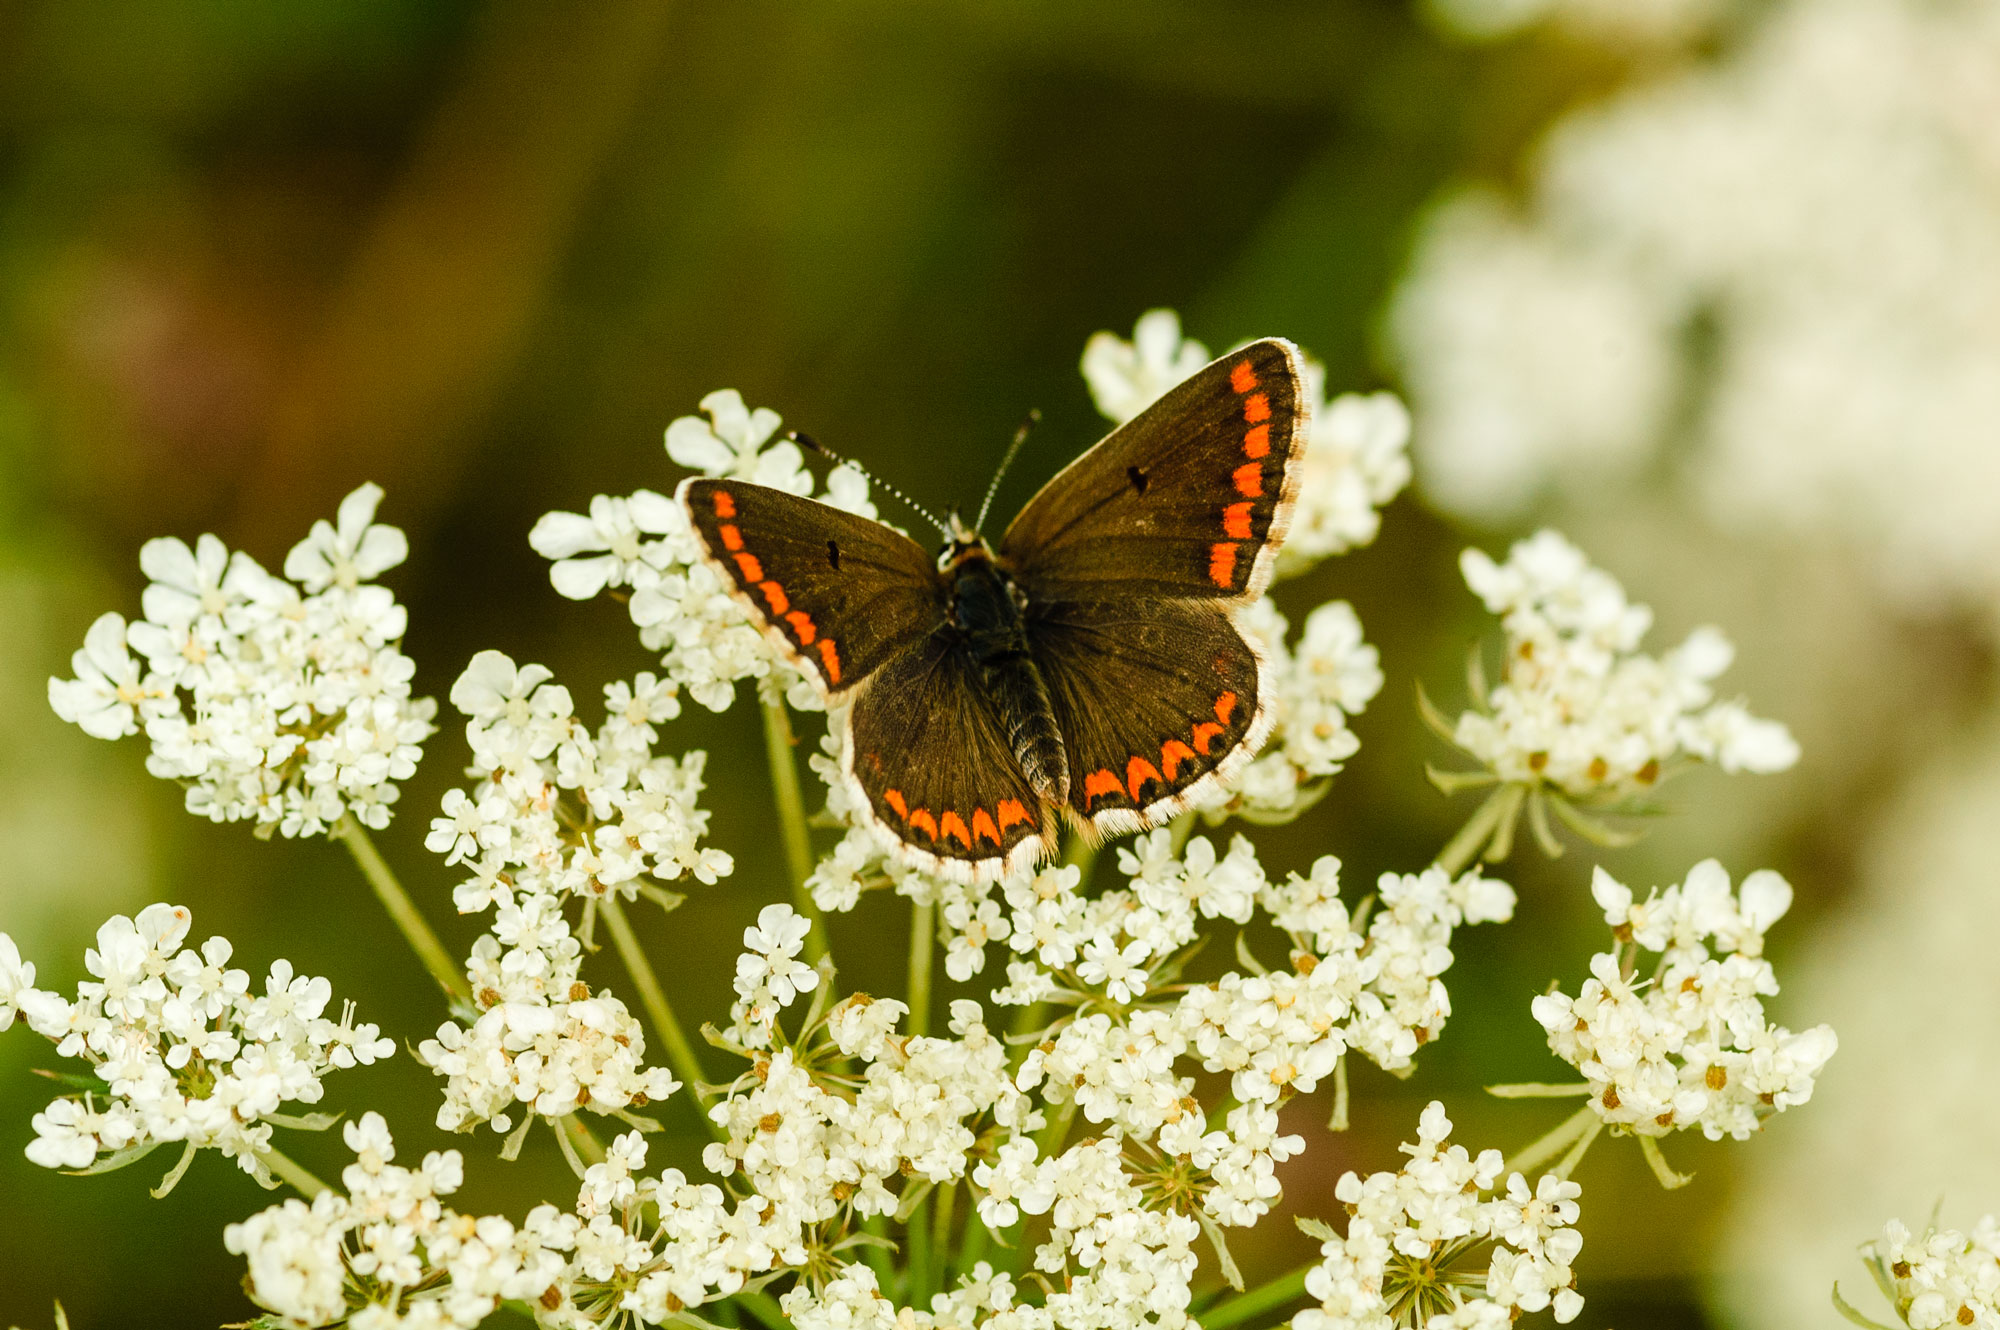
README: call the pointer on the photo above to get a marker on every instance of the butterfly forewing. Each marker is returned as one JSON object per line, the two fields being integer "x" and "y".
{"x": 1157, "y": 703}
{"x": 1189, "y": 499}
{"x": 927, "y": 749}
{"x": 840, "y": 594}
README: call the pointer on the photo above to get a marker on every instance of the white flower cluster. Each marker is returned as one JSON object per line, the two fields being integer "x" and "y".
{"x": 283, "y": 702}
{"x": 1686, "y": 1044}
{"x": 1356, "y": 458}
{"x": 1940, "y": 1278}
{"x": 1410, "y": 1232}
{"x": 1580, "y": 709}
{"x": 852, "y": 1300}
{"x": 1375, "y": 992}
{"x": 1799, "y": 237}
{"x": 642, "y": 544}
{"x": 184, "y": 1050}
{"x": 1330, "y": 675}
{"x": 810, "y": 1152}
{"x": 390, "y": 1253}
{"x": 557, "y": 814}
{"x": 769, "y": 975}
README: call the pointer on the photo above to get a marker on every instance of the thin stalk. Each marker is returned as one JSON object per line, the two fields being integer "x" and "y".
{"x": 288, "y": 1171}
{"x": 654, "y": 999}
{"x": 972, "y": 1249}
{"x": 792, "y": 819}
{"x": 1464, "y": 847}
{"x": 942, "y": 1201}
{"x": 1569, "y": 1161}
{"x": 923, "y": 942}
{"x": 581, "y": 1138}
{"x": 403, "y": 911}
{"x": 1265, "y": 1297}
{"x": 917, "y": 1231}
{"x": 1553, "y": 1143}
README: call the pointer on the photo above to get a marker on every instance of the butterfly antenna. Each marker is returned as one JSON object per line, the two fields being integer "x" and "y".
{"x": 805, "y": 440}
{"x": 993, "y": 488}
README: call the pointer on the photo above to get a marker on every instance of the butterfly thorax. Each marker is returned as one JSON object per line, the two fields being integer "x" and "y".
{"x": 988, "y": 613}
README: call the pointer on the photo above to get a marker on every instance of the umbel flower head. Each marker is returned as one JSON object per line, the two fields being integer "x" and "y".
{"x": 1409, "y": 1255}
{"x": 1939, "y": 1279}
{"x": 1582, "y": 719}
{"x": 283, "y": 702}
{"x": 1670, "y": 1030}
{"x": 181, "y": 1047}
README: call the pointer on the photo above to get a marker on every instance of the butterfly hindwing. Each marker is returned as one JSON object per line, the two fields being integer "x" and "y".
{"x": 1158, "y": 703}
{"x": 839, "y": 594}
{"x": 927, "y": 753}
{"x": 1190, "y": 498}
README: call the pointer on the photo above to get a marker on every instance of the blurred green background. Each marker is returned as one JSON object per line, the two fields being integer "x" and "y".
{"x": 251, "y": 256}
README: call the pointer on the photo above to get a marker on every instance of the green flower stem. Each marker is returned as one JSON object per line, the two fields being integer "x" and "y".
{"x": 651, "y": 996}
{"x": 923, "y": 942}
{"x": 1464, "y": 847}
{"x": 581, "y": 1138}
{"x": 941, "y": 1207}
{"x": 972, "y": 1249}
{"x": 792, "y": 819}
{"x": 1265, "y": 1297}
{"x": 403, "y": 911}
{"x": 288, "y": 1171}
{"x": 917, "y": 1255}
{"x": 1572, "y": 1128}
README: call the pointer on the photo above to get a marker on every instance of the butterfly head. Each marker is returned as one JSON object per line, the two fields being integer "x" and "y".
{"x": 961, "y": 543}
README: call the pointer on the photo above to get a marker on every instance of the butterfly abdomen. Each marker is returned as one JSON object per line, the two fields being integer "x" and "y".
{"x": 986, "y": 609}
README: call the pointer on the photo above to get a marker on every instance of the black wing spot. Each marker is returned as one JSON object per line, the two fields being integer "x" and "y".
{"x": 833, "y": 555}
{"x": 1138, "y": 479}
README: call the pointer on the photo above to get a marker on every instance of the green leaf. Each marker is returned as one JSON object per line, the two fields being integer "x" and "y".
{"x": 1453, "y": 782}
{"x": 1230, "y": 1274}
{"x": 305, "y": 1121}
{"x": 1434, "y": 718}
{"x": 74, "y": 1081}
{"x": 174, "y": 1175}
{"x": 1316, "y": 1228}
{"x": 1539, "y": 1090}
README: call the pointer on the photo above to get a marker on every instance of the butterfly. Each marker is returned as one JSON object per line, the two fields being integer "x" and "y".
{"x": 1093, "y": 668}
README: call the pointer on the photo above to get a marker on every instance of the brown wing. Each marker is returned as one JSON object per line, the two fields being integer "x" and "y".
{"x": 1188, "y": 499}
{"x": 837, "y": 593}
{"x": 1158, "y": 703}
{"x": 928, "y": 756}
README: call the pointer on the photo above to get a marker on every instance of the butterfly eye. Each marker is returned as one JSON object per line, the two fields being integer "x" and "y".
{"x": 833, "y": 555}
{"x": 1137, "y": 477}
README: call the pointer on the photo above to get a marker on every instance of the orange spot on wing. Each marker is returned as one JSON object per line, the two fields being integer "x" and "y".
{"x": 982, "y": 826}
{"x": 1257, "y": 441}
{"x": 1172, "y": 753}
{"x": 751, "y": 569}
{"x": 1012, "y": 811}
{"x": 1098, "y": 784}
{"x": 1206, "y": 733}
{"x": 894, "y": 798}
{"x": 1236, "y": 521}
{"x": 1249, "y": 479}
{"x": 1222, "y": 564}
{"x": 774, "y": 596}
{"x": 831, "y": 657}
{"x": 951, "y": 824}
{"x": 724, "y": 505}
{"x": 1137, "y": 772}
{"x": 802, "y": 624}
{"x": 732, "y": 539}
{"x": 1256, "y": 407}
{"x": 921, "y": 820}
{"x": 1243, "y": 376}
{"x": 1225, "y": 705}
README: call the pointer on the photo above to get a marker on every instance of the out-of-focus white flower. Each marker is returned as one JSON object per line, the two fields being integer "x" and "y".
{"x": 1684, "y": 1042}
{"x": 1611, "y": 22}
{"x": 1777, "y": 269}
{"x": 288, "y": 705}
{"x": 187, "y": 1050}
{"x": 1127, "y": 377}
{"x": 1412, "y": 1233}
